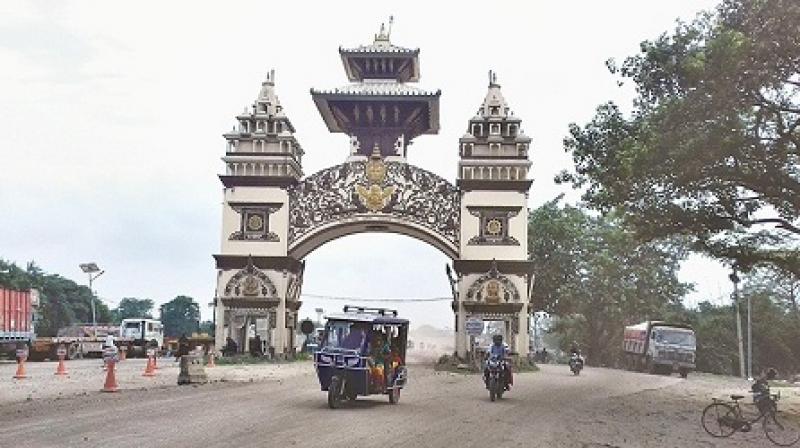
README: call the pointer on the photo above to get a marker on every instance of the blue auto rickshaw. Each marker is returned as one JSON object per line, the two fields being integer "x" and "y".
{"x": 362, "y": 352}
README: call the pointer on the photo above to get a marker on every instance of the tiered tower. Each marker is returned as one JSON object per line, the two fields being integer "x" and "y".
{"x": 262, "y": 159}
{"x": 262, "y": 145}
{"x": 494, "y": 271}
{"x": 379, "y": 110}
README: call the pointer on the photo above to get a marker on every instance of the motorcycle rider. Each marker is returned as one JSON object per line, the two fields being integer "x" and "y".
{"x": 499, "y": 350}
{"x": 575, "y": 350}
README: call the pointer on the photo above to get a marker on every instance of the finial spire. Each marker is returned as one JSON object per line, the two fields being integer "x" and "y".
{"x": 270, "y": 77}
{"x": 383, "y": 35}
{"x": 492, "y": 78}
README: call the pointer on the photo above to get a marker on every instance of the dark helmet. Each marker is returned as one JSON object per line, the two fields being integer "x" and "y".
{"x": 771, "y": 373}
{"x": 497, "y": 339}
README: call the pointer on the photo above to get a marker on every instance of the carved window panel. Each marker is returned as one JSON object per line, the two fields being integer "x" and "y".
{"x": 254, "y": 222}
{"x": 493, "y": 226}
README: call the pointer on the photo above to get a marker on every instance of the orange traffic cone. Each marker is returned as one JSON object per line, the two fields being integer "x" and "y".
{"x": 61, "y": 370}
{"x": 111, "y": 379}
{"x": 123, "y": 354}
{"x": 21, "y": 369}
{"x": 148, "y": 370}
{"x": 211, "y": 360}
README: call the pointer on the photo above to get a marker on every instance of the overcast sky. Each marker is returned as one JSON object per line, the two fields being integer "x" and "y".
{"x": 113, "y": 112}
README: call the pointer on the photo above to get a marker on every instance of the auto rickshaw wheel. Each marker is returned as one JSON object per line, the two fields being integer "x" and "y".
{"x": 335, "y": 392}
{"x": 394, "y": 395}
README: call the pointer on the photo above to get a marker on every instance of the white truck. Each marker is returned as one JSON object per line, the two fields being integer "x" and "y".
{"x": 659, "y": 347}
{"x": 139, "y": 334}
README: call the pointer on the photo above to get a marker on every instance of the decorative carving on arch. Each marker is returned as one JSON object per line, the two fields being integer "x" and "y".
{"x": 493, "y": 288}
{"x": 295, "y": 284}
{"x": 250, "y": 282}
{"x": 375, "y": 188}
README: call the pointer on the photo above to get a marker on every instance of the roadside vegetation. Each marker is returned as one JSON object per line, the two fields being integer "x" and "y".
{"x": 706, "y": 161}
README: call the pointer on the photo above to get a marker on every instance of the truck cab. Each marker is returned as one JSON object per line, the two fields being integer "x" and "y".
{"x": 143, "y": 331}
{"x": 672, "y": 347}
{"x": 657, "y": 346}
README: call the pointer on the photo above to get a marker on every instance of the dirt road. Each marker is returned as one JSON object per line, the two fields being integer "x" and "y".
{"x": 600, "y": 408}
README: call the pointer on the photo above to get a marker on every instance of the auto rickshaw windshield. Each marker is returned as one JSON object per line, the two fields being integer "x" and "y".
{"x": 345, "y": 335}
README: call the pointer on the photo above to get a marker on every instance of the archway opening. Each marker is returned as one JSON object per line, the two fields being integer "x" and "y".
{"x": 385, "y": 270}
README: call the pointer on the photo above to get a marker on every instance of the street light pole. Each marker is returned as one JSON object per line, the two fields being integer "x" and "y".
{"x": 91, "y": 268}
{"x": 749, "y": 343}
{"x": 735, "y": 279}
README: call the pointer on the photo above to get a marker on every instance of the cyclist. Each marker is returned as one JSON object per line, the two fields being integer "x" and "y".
{"x": 761, "y": 396}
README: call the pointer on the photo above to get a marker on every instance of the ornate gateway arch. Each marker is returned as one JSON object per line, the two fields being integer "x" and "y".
{"x": 373, "y": 195}
{"x": 273, "y": 216}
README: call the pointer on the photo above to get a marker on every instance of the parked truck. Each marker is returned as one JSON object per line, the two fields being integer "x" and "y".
{"x": 659, "y": 347}
{"x": 139, "y": 334}
{"x": 16, "y": 318}
{"x": 80, "y": 340}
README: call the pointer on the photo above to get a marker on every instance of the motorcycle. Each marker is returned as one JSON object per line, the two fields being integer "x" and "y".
{"x": 495, "y": 378}
{"x": 576, "y": 364}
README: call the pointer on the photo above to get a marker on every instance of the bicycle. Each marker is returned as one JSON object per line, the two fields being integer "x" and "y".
{"x": 723, "y": 418}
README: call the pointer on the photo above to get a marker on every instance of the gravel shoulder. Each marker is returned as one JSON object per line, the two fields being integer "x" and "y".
{"x": 87, "y": 377}
{"x": 550, "y": 408}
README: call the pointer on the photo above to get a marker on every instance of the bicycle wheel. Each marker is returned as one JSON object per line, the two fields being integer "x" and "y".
{"x": 782, "y": 428}
{"x": 718, "y": 420}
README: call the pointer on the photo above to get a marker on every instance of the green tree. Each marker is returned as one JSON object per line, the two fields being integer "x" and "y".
{"x": 555, "y": 246}
{"x": 130, "y": 307}
{"x": 710, "y": 151}
{"x": 594, "y": 274}
{"x": 180, "y": 316}
{"x": 62, "y": 301}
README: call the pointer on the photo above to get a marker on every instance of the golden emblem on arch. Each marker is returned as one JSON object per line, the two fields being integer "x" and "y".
{"x": 375, "y": 170}
{"x": 374, "y": 198}
{"x": 373, "y": 195}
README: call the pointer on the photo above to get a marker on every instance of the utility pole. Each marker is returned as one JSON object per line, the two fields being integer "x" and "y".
{"x": 749, "y": 342}
{"x": 735, "y": 279}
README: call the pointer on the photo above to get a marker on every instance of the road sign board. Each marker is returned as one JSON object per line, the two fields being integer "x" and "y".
{"x": 474, "y": 327}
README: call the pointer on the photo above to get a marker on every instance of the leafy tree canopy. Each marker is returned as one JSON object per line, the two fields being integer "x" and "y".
{"x": 62, "y": 301}
{"x": 710, "y": 150}
{"x": 179, "y": 316}
{"x": 130, "y": 307}
{"x": 593, "y": 269}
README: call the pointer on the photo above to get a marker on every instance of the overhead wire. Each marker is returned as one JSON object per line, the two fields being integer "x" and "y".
{"x": 375, "y": 299}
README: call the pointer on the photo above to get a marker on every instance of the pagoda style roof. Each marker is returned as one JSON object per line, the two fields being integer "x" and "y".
{"x": 378, "y": 109}
{"x": 376, "y": 88}
{"x": 379, "y": 105}
{"x": 379, "y": 47}
{"x": 381, "y": 60}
